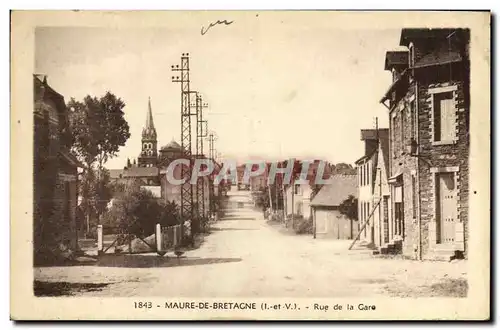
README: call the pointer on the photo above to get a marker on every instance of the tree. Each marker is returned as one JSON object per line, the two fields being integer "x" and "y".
{"x": 343, "y": 168}
{"x": 349, "y": 208}
{"x": 99, "y": 130}
{"x": 170, "y": 214}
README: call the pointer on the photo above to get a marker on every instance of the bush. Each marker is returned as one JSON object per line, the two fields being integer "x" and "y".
{"x": 138, "y": 211}
{"x": 303, "y": 226}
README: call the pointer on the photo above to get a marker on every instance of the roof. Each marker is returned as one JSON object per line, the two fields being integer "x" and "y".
{"x": 70, "y": 158}
{"x": 133, "y": 172}
{"x": 40, "y": 84}
{"x": 149, "y": 129}
{"x": 373, "y": 134}
{"x": 408, "y": 35}
{"x": 140, "y": 172}
{"x": 367, "y": 156}
{"x": 171, "y": 145}
{"x": 395, "y": 58}
{"x": 394, "y": 85}
{"x": 438, "y": 58}
{"x": 384, "y": 145}
{"x": 337, "y": 191}
{"x": 116, "y": 174}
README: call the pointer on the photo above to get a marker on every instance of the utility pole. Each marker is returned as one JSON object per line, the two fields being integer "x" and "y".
{"x": 201, "y": 133}
{"x": 211, "y": 155}
{"x": 186, "y": 210}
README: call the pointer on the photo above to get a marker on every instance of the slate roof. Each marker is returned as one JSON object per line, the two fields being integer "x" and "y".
{"x": 407, "y": 35}
{"x": 438, "y": 58}
{"x": 339, "y": 189}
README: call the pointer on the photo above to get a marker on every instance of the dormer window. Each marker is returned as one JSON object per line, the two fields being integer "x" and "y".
{"x": 395, "y": 74}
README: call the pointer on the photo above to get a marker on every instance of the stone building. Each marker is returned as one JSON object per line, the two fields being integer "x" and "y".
{"x": 428, "y": 104}
{"x": 55, "y": 176}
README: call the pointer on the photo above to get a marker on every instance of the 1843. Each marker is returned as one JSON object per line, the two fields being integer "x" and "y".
{"x": 143, "y": 304}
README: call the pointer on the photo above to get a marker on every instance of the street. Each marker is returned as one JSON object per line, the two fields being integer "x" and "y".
{"x": 244, "y": 256}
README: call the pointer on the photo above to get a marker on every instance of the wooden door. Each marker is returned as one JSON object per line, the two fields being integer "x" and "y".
{"x": 385, "y": 211}
{"x": 446, "y": 207}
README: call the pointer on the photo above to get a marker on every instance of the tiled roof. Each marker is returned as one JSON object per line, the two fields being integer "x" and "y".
{"x": 337, "y": 191}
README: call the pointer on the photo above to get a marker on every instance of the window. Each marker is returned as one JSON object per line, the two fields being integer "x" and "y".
{"x": 393, "y": 140}
{"x": 364, "y": 174}
{"x": 395, "y": 75}
{"x": 413, "y": 119}
{"x": 368, "y": 174}
{"x": 297, "y": 189}
{"x": 402, "y": 128}
{"x": 411, "y": 55}
{"x": 444, "y": 117}
{"x": 414, "y": 193}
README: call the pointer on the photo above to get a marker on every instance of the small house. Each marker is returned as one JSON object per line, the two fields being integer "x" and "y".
{"x": 328, "y": 220}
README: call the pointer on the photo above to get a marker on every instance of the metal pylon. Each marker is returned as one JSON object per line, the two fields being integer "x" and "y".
{"x": 186, "y": 207}
{"x": 201, "y": 133}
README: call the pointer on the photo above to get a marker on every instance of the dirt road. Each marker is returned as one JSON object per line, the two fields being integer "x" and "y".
{"x": 246, "y": 257}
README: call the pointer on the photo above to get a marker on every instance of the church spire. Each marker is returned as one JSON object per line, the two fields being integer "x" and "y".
{"x": 149, "y": 131}
{"x": 149, "y": 120}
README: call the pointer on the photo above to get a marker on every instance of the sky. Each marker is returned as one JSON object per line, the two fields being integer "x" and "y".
{"x": 276, "y": 88}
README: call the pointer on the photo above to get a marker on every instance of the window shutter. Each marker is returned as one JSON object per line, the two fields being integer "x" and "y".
{"x": 447, "y": 118}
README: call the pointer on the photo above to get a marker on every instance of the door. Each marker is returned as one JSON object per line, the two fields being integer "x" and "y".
{"x": 446, "y": 208}
{"x": 386, "y": 218}
{"x": 321, "y": 221}
{"x": 399, "y": 212}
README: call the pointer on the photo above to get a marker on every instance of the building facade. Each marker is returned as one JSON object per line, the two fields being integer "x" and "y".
{"x": 55, "y": 175}
{"x": 428, "y": 104}
{"x": 367, "y": 171}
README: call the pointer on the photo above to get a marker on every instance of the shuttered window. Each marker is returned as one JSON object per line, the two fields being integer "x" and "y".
{"x": 444, "y": 117}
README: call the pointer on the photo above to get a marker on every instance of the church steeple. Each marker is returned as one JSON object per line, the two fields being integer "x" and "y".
{"x": 149, "y": 130}
{"x": 149, "y": 151}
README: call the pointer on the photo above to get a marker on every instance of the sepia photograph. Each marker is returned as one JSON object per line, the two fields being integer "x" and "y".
{"x": 252, "y": 164}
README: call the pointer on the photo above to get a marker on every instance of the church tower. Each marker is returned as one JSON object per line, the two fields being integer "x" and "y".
{"x": 149, "y": 151}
